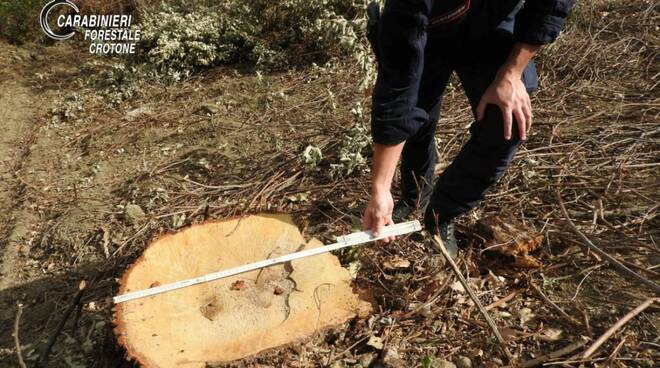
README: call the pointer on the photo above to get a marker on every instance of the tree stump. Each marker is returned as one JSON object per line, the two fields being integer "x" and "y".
{"x": 239, "y": 316}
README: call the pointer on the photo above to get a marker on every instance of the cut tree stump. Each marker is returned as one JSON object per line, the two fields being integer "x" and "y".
{"x": 239, "y": 316}
{"x": 510, "y": 239}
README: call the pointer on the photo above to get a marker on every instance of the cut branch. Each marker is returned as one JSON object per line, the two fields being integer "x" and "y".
{"x": 441, "y": 247}
{"x": 17, "y": 340}
{"x": 613, "y": 261}
{"x": 630, "y": 315}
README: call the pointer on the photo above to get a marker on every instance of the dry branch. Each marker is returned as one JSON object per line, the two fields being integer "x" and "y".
{"x": 43, "y": 357}
{"x": 555, "y": 354}
{"x": 610, "y": 331}
{"x": 618, "y": 265}
{"x": 441, "y": 247}
{"x": 17, "y": 340}
{"x": 554, "y": 305}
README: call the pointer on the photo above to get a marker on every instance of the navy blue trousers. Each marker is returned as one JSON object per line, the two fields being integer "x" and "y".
{"x": 414, "y": 68}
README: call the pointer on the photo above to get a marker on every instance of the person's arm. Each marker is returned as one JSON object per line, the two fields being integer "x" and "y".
{"x": 538, "y": 22}
{"x": 508, "y": 91}
{"x": 379, "y": 210}
{"x": 399, "y": 41}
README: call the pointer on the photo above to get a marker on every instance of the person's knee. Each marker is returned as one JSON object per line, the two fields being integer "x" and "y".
{"x": 489, "y": 132}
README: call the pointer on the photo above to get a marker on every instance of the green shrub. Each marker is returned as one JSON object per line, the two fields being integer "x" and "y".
{"x": 19, "y": 20}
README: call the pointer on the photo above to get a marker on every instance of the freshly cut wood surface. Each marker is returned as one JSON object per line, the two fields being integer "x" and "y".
{"x": 238, "y": 316}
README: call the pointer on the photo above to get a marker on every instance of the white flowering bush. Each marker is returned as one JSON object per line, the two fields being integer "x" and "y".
{"x": 183, "y": 37}
{"x": 353, "y": 147}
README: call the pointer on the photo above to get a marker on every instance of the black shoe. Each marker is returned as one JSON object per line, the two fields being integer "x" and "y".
{"x": 446, "y": 230}
{"x": 404, "y": 212}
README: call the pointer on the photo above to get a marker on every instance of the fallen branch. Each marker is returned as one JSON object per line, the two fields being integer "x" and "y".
{"x": 567, "y": 316}
{"x": 556, "y": 354}
{"x": 613, "y": 261}
{"x": 43, "y": 357}
{"x": 505, "y": 299}
{"x": 441, "y": 247}
{"x": 630, "y": 315}
{"x": 17, "y": 340}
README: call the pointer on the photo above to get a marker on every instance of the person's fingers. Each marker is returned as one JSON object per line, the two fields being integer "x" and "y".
{"x": 481, "y": 108}
{"x": 528, "y": 114}
{"x": 521, "y": 121}
{"x": 506, "y": 116}
{"x": 390, "y": 222}
{"x": 367, "y": 220}
{"x": 377, "y": 225}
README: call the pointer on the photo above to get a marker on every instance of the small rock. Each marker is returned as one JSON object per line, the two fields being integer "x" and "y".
{"x": 365, "y": 360}
{"x": 391, "y": 359}
{"x": 278, "y": 290}
{"x": 134, "y": 213}
{"x": 208, "y": 109}
{"x": 463, "y": 362}
{"x": 375, "y": 342}
{"x": 442, "y": 364}
{"x": 338, "y": 364}
{"x": 135, "y": 113}
{"x": 37, "y": 57}
{"x": 396, "y": 263}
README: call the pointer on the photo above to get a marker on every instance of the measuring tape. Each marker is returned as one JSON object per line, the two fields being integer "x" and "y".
{"x": 342, "y": 242}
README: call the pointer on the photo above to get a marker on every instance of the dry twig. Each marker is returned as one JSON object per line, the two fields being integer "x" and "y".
{"x": 441, "y": 247}
{"x": 613, "y": 261}
{"x": 43, "y": 357}
{"x": 17, "y": 340}
{"x": 555, "y": 354}
{"x": 554, "y": 305}
{"x": 610, "y": 331}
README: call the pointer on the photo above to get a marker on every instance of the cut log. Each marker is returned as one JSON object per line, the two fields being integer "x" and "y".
{"x": 239, "y": 316}
{"x": 510, "y": 239}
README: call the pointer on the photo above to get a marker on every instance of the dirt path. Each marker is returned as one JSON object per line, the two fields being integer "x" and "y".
{"x": 17, "y": 121}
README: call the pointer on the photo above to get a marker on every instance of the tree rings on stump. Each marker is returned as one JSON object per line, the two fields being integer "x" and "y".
{"x": 235, "y": 317}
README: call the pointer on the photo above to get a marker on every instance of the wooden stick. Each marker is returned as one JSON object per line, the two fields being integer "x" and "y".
{"x": 17, "y": 340}
{"x": 630, "y": 315}
{"x": 567, "y": 316}
{"x": 43, "y": 357}
{"x": 505, "y": 299}
{"x": 555, "y": 354}
{"x": 613, "y": 261}
{"x": 438, "y": 242}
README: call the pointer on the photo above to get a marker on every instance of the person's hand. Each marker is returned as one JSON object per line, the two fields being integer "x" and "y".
{"x": 378, "y": 213}
{"x": 509, "y": 93}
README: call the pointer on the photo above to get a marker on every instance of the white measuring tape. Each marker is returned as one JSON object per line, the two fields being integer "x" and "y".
{"x": 342, "y": 242}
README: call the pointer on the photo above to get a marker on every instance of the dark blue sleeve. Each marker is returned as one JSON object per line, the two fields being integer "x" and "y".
{"x": 540, "y": 21}
{"x": 400, "y": 53}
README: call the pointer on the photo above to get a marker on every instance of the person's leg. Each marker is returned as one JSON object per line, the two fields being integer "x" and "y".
{"x": 484, "y": 158}
{"x": 419, "y": 152}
